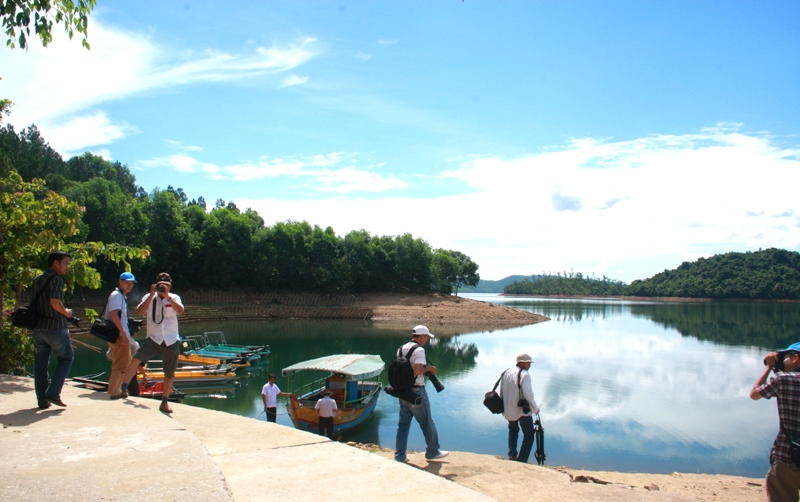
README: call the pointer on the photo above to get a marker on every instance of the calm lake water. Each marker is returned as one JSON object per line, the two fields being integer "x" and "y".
{"x": 626, "y": 386}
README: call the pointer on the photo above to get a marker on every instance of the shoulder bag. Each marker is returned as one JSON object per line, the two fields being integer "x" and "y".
{"x": 104, "y": 329}
{"x": 492, "y": 399}
{"x": 25, "y": 317}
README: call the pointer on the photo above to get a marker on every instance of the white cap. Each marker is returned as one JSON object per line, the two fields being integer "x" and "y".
{"x": 422, "y": 330}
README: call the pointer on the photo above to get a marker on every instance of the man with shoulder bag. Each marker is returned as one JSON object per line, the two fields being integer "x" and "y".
{"x": 519, "y": 407}
{"x": 783, "y": 477}
{"x": 51, "y": 334}
{"x": 117, "y": 313}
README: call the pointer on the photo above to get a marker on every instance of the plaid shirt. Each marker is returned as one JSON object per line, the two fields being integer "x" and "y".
{"x": 786, "y": 387}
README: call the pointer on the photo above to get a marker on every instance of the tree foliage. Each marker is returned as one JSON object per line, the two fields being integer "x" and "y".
{"x": 19, "y": 15}
{"x": 566, "y": 283}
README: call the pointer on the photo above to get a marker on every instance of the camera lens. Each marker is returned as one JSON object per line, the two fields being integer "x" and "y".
{"x": 160, "y": 288}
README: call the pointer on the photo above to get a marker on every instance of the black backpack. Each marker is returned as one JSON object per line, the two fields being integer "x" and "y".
{"x": 401, "y": 372}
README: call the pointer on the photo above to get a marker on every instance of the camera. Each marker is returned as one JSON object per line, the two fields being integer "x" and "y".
{"x": 74, "y": 320}
{"x": 523, "y": 403}
{"x": 435, "y": 381}
{"x": 160, "y": 288}
{"x": 134, "y": 325}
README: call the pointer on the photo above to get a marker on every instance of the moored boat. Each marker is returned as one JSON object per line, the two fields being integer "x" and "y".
{"x": 196, "y": 375}
{"x": 149, "y": 389}
{"x": 354, "y": 382}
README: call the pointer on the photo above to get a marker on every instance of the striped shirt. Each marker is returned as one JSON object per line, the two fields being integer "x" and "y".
{"x": 786, "y": 387}
{"x": 47, "y": 318}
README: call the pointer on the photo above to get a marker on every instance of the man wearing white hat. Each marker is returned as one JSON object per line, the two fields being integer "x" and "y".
{"x": 422, "y": 411}
{"x": 519, "y": 407}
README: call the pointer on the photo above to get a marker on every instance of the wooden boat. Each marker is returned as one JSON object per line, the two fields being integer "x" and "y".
{"x": 153, "y": 390}
{"x": 354, "y": 382}
{"x": 195, "y": 375}
{"x": 197, "y": 359}
{"x": 215, "y": 340}
{"x": 197, "y": 345}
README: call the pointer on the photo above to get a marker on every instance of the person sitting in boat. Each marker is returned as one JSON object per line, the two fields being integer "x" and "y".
{"x": 326, "y": 410}
{"x": 269, "y": 394}
{"x": 162, "y": 309}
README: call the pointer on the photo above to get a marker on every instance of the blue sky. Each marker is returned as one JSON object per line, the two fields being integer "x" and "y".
{"x": 615, "y": 138}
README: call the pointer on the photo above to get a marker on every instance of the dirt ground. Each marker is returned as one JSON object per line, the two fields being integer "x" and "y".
{"x": 442, "y": 313}
{"x": 509, "y": 481}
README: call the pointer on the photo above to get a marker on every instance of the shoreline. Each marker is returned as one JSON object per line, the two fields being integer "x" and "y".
{"x": 666, "y": 299}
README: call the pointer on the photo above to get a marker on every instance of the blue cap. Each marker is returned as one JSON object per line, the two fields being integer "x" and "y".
{"x": 127, "y": 276}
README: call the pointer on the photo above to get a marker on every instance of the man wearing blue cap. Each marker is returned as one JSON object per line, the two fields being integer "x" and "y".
{"x": 117, "y": 313}
{"x": 783, "y": 477}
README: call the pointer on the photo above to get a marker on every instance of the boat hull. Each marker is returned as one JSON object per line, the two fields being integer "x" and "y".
{"x": 305, "y": 417}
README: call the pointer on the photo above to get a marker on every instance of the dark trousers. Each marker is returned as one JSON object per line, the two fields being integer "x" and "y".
{"x": 272, "y": 414}
{"x": 526, "y": 423}
{"x": 326, "y": 424}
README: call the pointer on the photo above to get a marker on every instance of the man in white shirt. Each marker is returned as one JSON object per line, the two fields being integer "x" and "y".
{"x": 326, "y": 409}
{"x": 161, "y": 309}
{"x": 515, "y": 388}
{"x": 269, "y": 394}
{"x": 421, "y": 412}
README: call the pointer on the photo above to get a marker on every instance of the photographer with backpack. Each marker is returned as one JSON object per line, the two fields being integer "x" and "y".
{"x": 415, "y": 355}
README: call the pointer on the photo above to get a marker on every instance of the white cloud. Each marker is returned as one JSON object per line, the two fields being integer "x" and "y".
{"x": 293, "y": 80}
{"x": 53, "y": 86}
{"x": 87, "y": 130}
{"x": 362, "y": 56}
{"x": 627, "y": 209}
{"x": 323, "y": 172}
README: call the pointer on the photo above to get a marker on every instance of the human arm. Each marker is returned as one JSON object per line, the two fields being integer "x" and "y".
{"x": 116, "y": 317}
{"x": 56, "y": 304}
{"x": 141, "y": 309}
{"x": 770, "y": 360}
{"x": 527, "y": 392}
{"x": 177, "y": 304}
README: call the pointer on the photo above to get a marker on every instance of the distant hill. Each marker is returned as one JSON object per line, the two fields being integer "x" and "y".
{"x": 496, "y": 286}
{"x": 772, "y": 274}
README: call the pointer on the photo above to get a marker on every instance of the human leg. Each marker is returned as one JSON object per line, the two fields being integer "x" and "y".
{"x": 526, "y": 424}
{"x": 272, "y": 414}
{"x": 41, "y": 361}
{"x": 513, "y": 436}
{"x": 120, "y": 360}
{"x": 425, "y": 419}
{"x": 403, "y": 426}
{"x": 783, "y": 482}
{"x": 62, "y": 348}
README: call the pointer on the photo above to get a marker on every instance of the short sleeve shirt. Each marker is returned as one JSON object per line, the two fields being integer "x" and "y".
{"x": 47, "y": 317}
{"x": 786, "y": 387}
{"x": 162, "y": 320}
{"x": 418, "y": 357}
{"x": 326, "y": 407}
{"x": 116, "y": 301}
{"x": 271, "y": 391}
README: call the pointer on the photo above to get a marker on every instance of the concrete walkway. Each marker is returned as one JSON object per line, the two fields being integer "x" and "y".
{"x": 127, "y": 450}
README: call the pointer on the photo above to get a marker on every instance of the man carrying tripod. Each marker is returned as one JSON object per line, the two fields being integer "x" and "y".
{"x": 422, "y": 411}
{"x": 519, "y": 407}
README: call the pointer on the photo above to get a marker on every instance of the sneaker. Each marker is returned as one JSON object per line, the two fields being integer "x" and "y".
{"x": 119, "y": 395}
{"x": 402, "y": 460}
{"x": 440, "y": 455}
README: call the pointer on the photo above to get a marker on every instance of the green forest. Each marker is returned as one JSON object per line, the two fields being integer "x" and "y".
{"x": 221, "y": 247}
{"x": 771, "y": 274}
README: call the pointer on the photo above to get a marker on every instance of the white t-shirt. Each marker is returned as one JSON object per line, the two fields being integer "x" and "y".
{"x": 418, "y": 357}
{"x": 326, "y": 406}
{"x": 164, "y": 328}
{"x": 116, "y": 301}
{"x": 271, "y": 391}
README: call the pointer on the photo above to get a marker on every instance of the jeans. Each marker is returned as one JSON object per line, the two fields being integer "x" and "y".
{"x": 422, "y": 413}
{"x": 326, "y": 427}
{"x": 272, "y": 414}
{"x": 45, "y": 342}
{"x": 526, "y": 423}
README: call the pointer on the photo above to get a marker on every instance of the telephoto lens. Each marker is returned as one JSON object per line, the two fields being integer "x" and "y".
{"x": 435, "y": 381}
{"x": 74, "y": 320}
{"x": 160, "y": 288}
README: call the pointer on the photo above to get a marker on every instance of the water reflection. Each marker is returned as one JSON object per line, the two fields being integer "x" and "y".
{"x": 630, "y": 386}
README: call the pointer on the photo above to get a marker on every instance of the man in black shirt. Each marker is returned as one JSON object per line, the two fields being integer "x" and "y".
{"x": 51, "y": 334}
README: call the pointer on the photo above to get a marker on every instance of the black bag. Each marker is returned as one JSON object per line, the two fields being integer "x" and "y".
{"x": 794, "y": 445}
{"x": 25, "y": 317}
{"x": 401, "y": 373}
{"x": 104, "y": 329}
{"x": 492, "y": 399}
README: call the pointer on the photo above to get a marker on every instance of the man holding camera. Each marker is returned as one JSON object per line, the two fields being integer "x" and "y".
{"x": 162, "y": 309}
{"x": 422, "y": 411}
{"x": 519, "y": 407}
{"x": 783, "y": 477}
{"x": 51, "y": 334}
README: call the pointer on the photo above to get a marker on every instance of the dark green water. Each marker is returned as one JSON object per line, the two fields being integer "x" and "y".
{"x": 647, "y": 387}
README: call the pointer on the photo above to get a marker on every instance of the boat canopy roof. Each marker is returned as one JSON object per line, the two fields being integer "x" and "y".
{"x": 355, "y": 366}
